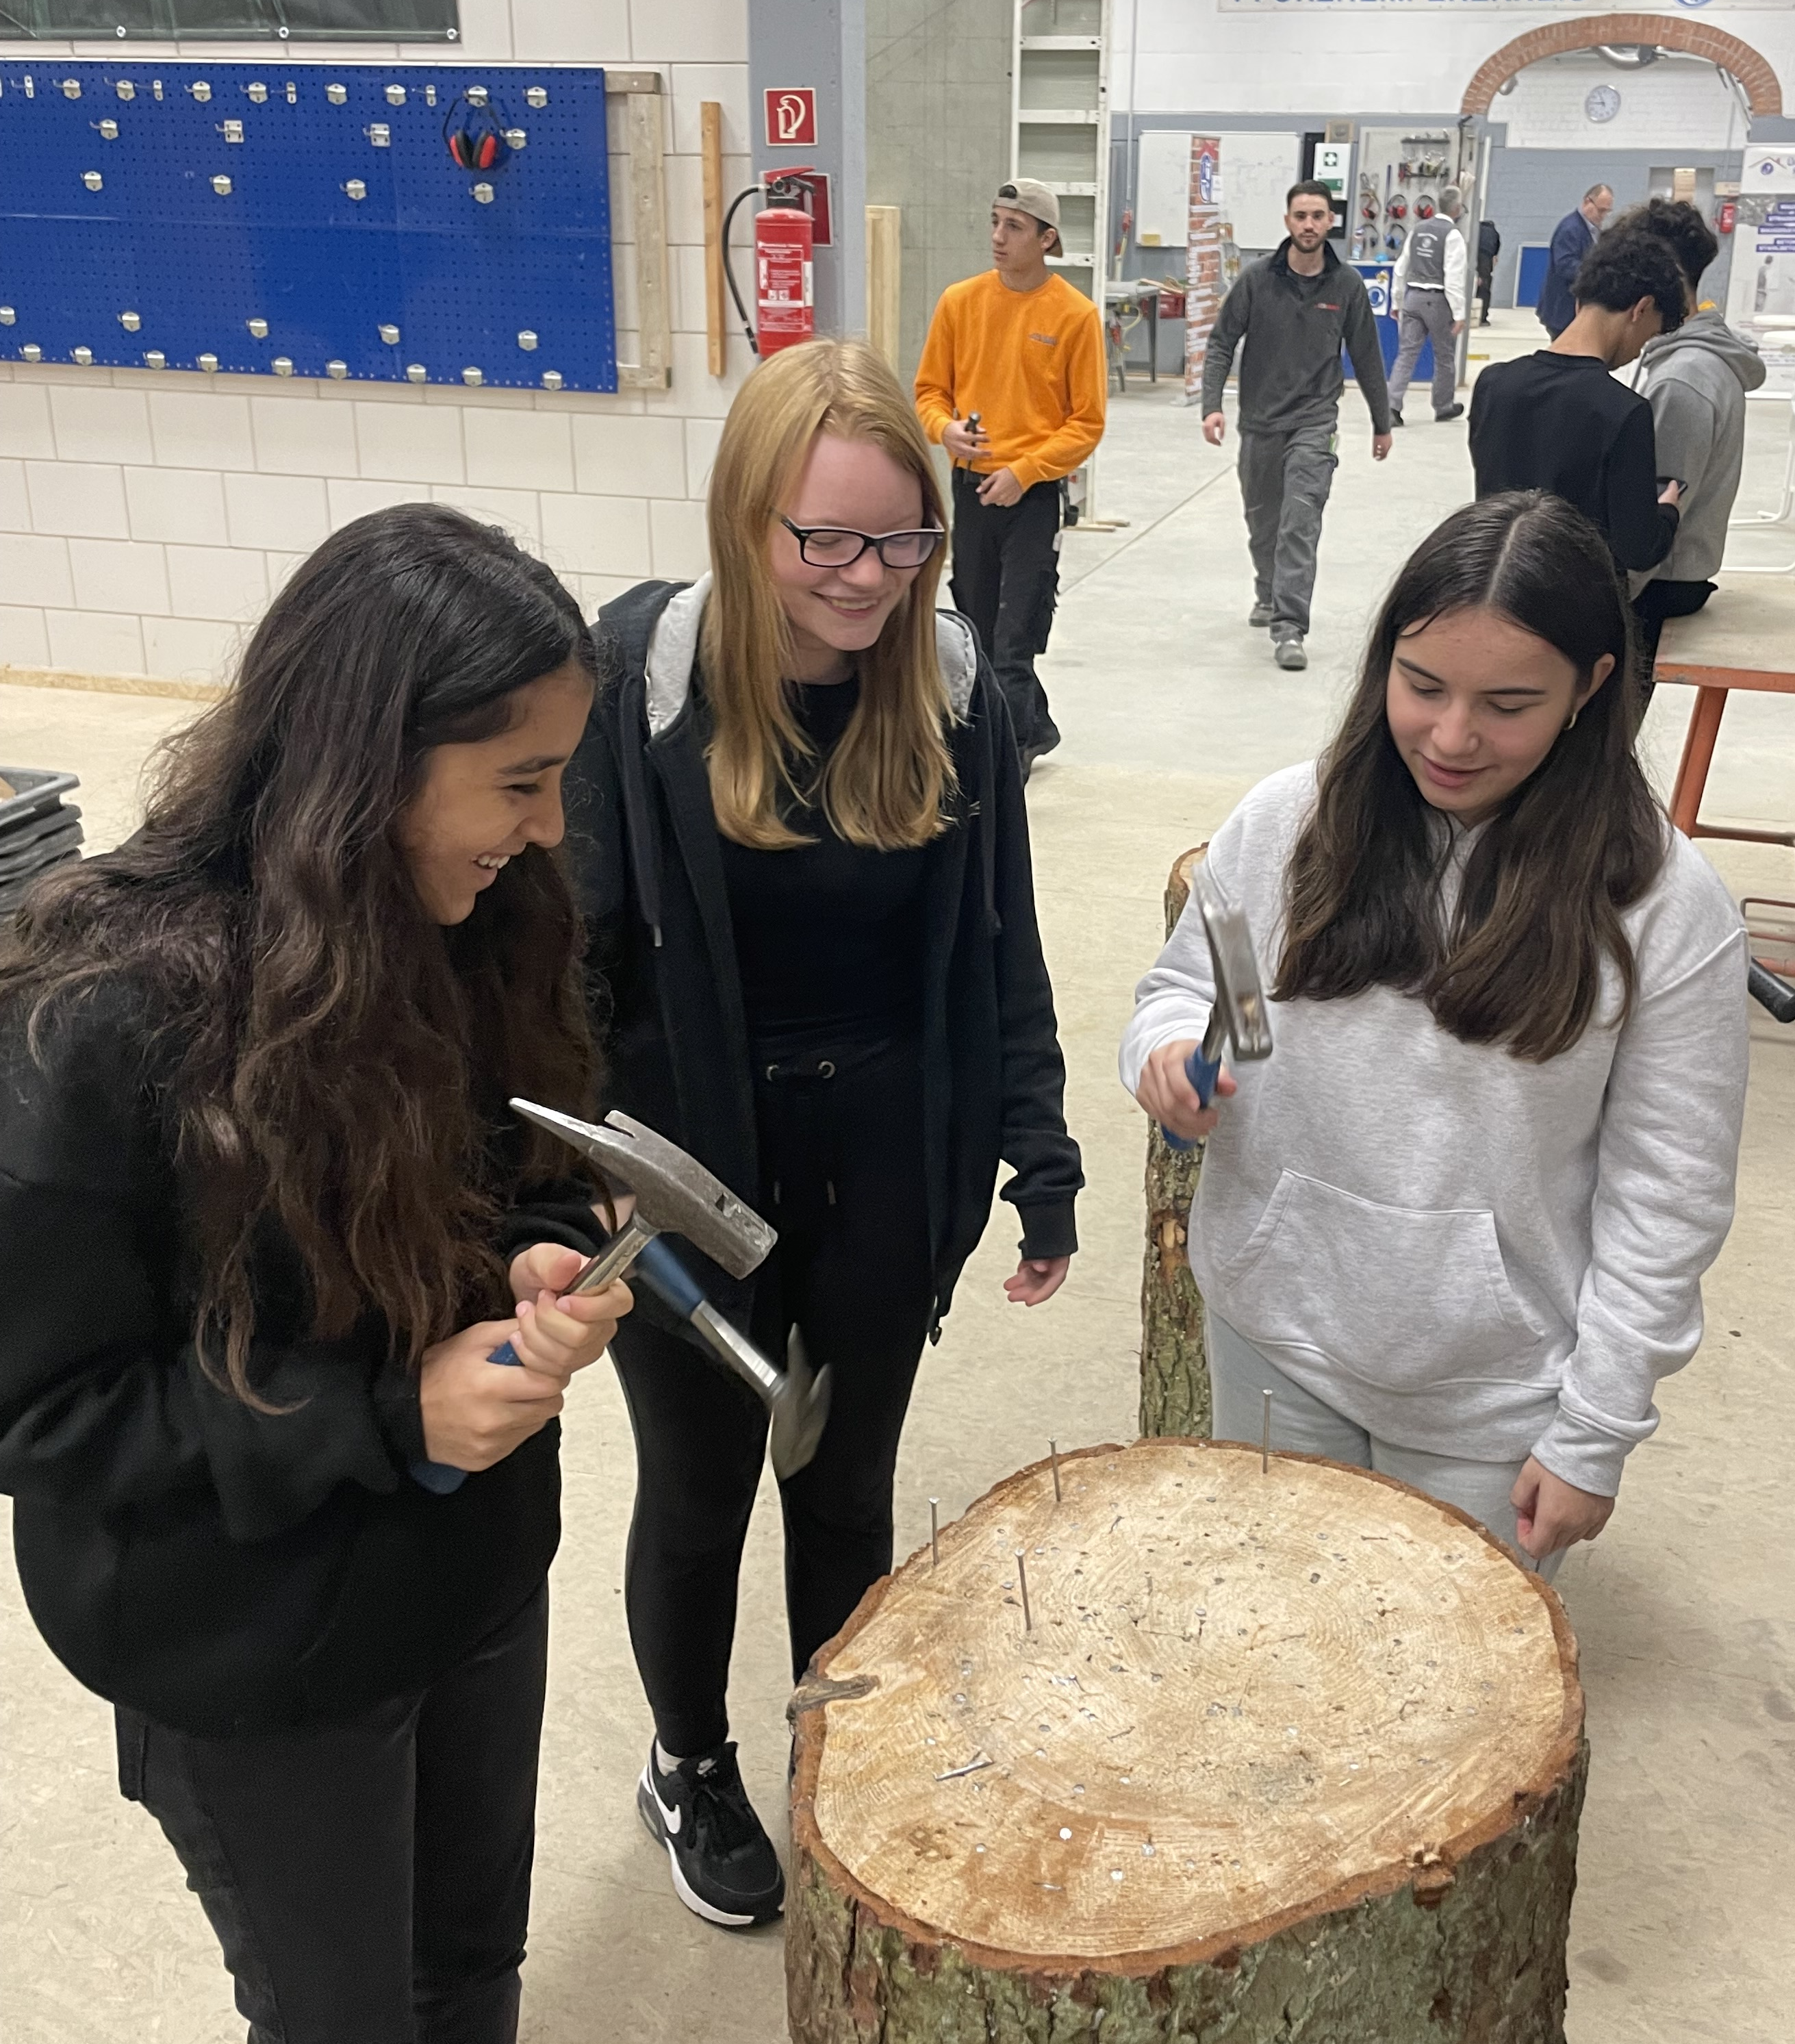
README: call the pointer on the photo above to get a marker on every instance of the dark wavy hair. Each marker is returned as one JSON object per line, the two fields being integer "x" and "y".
{"x": 1629, "y": 263}
{"x": 1576, "y": 843}
{"x": 1681, "y": 227}
{"x": 338, "y": 1062}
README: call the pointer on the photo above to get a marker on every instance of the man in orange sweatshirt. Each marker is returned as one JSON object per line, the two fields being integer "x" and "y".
{"x": 1013, "y": 382}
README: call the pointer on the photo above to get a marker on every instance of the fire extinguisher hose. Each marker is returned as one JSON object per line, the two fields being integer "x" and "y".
{"x": 728, "y": 268}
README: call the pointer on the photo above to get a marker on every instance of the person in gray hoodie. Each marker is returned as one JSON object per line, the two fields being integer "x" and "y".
{"x": 1695, "y": 381}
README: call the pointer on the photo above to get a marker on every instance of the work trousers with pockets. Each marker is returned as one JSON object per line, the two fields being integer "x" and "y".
{"x": 1007, "y": 579}
{"x": 842, "y": 1179}
{"x": 1285, "y": 478}
{"x": 369, "y": 1881}
{"x": 1239, "y": 1378}
{"x": 1426, "y": 316}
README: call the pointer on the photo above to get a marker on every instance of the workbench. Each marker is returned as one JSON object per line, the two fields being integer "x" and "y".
{"x": 1745, "y": 639}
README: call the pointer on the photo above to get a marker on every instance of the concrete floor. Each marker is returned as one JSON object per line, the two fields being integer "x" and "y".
{"x": 1171, "y": 709}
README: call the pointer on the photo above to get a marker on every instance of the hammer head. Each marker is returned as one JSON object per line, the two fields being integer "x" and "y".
{"x": 1240, "y": 994}
{"x": 674, "y": 1193}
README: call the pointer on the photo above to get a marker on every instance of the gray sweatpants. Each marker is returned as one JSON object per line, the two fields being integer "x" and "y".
{"x": 1426, "y": 315}
{"x": 1239, "y": 1376}
{"x": 1285, "y": 478}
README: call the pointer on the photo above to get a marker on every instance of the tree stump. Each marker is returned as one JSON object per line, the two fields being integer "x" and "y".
{"x": 1173, "y": 1368}
{"x": 1291, "y": 1755}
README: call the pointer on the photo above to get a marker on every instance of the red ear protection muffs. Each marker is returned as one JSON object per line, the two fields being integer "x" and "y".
{"x": 473, "y": 137}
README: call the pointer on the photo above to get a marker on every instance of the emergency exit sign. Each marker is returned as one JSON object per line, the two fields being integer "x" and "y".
{"x": 791, "y": 117}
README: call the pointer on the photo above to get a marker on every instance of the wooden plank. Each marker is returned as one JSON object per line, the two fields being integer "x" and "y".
{"x": 710, "y": 117}
{"x": 884, "y": 280}
{"x": 643, "y": 118}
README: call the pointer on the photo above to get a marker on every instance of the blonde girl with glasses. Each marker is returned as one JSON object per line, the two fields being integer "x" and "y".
{"x": 798, "y": 827}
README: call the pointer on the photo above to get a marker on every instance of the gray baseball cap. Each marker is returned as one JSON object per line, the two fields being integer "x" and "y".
{"x": 1030, "y": 196}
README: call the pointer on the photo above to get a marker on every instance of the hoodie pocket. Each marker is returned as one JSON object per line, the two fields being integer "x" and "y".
{"x": 1399, "y": 1296}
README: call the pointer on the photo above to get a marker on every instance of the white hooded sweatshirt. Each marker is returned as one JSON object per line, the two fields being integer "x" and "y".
{"x": 1459, "y": 1249}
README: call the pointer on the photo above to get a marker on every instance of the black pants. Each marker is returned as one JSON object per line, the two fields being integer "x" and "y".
{"x": 1486, "y": 284}
{"x": 1007, "y": 579}
{"x": 841, "y": 1180}
{"x": 1658, "y": 601}
{"x": 369, "y": 1882}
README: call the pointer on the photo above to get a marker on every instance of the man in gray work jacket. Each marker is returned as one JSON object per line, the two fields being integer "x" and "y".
{"x": 1295, "y": 310}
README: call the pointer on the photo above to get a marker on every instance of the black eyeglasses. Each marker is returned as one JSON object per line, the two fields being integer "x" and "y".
{"x": 831, "y": 546}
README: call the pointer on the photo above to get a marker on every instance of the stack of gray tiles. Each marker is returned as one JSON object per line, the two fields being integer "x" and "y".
{"x": 38, "y": 829}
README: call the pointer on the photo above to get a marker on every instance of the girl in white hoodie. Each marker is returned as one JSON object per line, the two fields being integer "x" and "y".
{"x": 1457, "y": 1222}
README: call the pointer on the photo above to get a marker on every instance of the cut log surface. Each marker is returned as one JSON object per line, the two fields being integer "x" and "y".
{"x": 1293, "y": 1753}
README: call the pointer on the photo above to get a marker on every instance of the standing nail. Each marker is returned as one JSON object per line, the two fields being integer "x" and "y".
{"x": 1265, "y": 1439}
{"x": 1053, "y": 1455}
{"x": 1022, "y": 1583}
{"x": 935, "y": 1533}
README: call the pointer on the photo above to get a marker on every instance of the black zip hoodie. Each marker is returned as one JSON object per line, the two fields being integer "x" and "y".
{"x": 224, "y": 1570}
{"x": 642, "y": 839}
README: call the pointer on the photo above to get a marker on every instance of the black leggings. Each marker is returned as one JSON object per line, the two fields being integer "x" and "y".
{"x": 369, "y": 1882}
{"x": 842, "y": 1180}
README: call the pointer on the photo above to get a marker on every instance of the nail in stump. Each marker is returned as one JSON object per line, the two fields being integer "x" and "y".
{"x": 935, "y": 1533}
{"x": 1053, "y": 1456}
{"x": 1023, "y": 1585}
{"x": 1265, "y": 1439}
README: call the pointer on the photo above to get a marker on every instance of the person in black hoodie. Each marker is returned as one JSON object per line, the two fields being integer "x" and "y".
{"x": 798, "y": 828}
{"x": 264, "y": 1217}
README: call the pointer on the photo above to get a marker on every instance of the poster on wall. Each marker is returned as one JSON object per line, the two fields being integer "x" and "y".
{"x": 1203, "y": 292}
{"x": 1761, "y": 287}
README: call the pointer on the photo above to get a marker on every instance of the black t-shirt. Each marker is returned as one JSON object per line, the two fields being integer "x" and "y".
{"x": 1562, "y": 423}
{"x": 828, "y": 935}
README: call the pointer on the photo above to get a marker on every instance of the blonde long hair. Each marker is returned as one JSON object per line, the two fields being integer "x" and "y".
{"x": 887, "y": 783}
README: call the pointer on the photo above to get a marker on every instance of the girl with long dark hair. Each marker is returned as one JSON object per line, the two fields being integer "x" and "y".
{"x": 798, "y": 828}
{"x": 1456, "y": 1224}
{"x": 264, "y": 1217}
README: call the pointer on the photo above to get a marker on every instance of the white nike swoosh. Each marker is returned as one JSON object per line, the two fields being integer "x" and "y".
{"x": 671, "y": 1817}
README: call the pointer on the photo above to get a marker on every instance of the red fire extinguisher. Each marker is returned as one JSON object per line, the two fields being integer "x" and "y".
{"x": 1726, "y": 217}
{"x": 785, "y": 236}
{"x": 784, "y": 311}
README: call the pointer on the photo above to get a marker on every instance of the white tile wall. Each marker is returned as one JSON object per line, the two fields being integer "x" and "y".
{"x": 410, "y": 442}
{"x": 185, "y": 504}
{"x": 15, "y": 501}
{"x": 24, "y": 642}
{"x": 96, "y": 642}
{"x": 295, "y": 438}
{"x": 34, "y": 565}
{"x": 216, "y": 583}
{"x": 101, "y": 425}
{"x": 149, "y": 518}
{"x": 119, "y": 575}
{"x": 24, "y": 421}
{"x": 80, "y": 498}
{"x": 623, "y": 457}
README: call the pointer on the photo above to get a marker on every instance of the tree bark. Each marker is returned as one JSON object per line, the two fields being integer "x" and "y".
{"x": 1174, "y": 1367}
{"x": 1291, "y": 1755}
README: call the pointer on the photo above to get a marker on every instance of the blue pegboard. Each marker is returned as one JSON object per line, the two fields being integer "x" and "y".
{"x": 197, "y": 234}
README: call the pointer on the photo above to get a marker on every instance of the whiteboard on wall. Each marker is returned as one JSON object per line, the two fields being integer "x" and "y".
{"x": 1162, "y": 189}
{"x": 1257, "y": 172}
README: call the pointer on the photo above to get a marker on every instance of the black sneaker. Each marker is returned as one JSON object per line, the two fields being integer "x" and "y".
{"x": 724, "y": 1867}
{"x": 1451, "y": 412}
{"x": 1395, "y": 419}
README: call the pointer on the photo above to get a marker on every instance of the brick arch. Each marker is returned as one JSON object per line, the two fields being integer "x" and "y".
{"x": 1671, "y": 32}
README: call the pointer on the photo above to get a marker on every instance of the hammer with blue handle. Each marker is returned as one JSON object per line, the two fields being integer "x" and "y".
{"x": 674, "y": 1193}
{"x": 1239, "y": 1019}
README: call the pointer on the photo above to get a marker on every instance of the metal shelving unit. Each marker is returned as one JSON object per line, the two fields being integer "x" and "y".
{"x": 1060, "y": 124}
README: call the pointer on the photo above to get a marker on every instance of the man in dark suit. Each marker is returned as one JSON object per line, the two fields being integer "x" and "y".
{"x": 1489, "y": 247}
{"x": 1572, "y": 240}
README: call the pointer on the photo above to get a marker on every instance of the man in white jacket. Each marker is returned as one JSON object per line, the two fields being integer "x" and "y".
{"x": 1428, "y": 292}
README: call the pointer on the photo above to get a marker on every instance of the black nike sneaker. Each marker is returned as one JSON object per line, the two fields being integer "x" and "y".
{"x": 724, "y": 1867}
